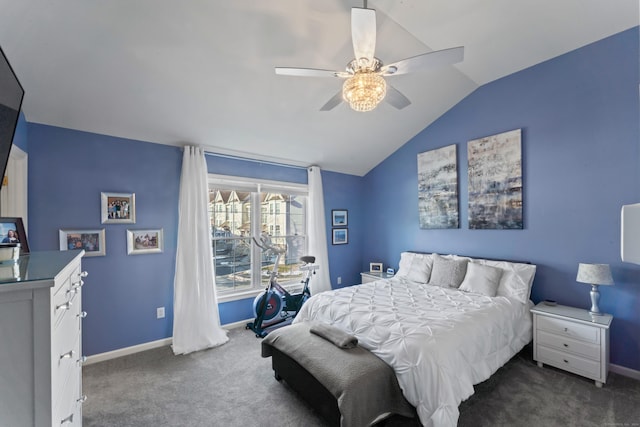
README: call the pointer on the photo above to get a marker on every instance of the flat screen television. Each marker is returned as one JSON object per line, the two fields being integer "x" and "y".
{"x": 11, "y": 94}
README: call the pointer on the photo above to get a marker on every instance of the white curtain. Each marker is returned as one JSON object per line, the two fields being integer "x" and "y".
{"x": 321, "y": 281}
{"x": 196, "y": 321}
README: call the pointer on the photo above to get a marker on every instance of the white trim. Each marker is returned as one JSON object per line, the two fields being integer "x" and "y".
{"x": 101, "y": 357}
{"x": 627, "y": 372}
{"x": 257, "y": 184}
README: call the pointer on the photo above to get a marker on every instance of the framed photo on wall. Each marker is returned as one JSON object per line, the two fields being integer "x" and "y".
{"x": 118, "y": 208}
{"x": 92, "y": 241}
{"x": 12, "y": 231}
{"x": 340, "y": 236}
{"x": 144, "y": 241}
{"x": 339, "y": 218}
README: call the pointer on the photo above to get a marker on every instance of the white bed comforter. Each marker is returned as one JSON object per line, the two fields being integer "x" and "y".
{"x": 439, "y": 341}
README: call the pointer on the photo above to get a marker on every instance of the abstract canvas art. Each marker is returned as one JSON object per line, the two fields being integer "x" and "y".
{"x": 438, "y": 188}
{"x": 495, "y": 181}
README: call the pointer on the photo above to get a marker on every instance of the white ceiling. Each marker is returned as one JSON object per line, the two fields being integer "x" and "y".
{"x": 202, "y": 71}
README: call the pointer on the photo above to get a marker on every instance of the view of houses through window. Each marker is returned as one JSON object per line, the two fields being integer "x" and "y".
{"x": 241, "y": 210}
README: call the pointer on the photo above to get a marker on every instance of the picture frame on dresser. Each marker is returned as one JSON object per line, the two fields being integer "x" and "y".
{"x": 92, "y": 241}
{"x": 375, "y": 267}
{"x": 146, "y": 241}
{"x": 118, "y": 208}
{"x": 12, "y": 231}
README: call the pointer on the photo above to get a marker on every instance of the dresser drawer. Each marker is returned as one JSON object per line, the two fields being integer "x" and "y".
{"x": 68, "y": 326}
{"x": 569, "y": 345}
{"x": 63, "y": 370}
{"x": 577, "y": 365}
{"x": 67, "y": 410}
{"x": 569, "y": 329}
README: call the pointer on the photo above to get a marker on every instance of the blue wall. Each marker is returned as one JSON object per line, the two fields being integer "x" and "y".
{"x": 67, "y": 172}
{"x": 579, "y": 117}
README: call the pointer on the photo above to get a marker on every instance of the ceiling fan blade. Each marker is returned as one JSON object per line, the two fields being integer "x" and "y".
{"x": 333, "y": 102}
{"x": 310, "y": 72}
{"x": 363, "y": 33}
{"x": 396, "y": 98}
{"x": 424, "y": 61}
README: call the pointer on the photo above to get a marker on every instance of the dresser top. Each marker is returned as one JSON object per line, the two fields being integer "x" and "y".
{"x": 34, "y": 267}
{"x": 579, "y": 314}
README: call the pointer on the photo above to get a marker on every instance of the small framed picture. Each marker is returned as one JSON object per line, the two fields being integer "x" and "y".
{"x": 118, "y": 208}
{"x": 144, "y": 241}
{"x": 92, "y": 241}
{"x": 340, "y": 236}
{"x": 12, "y": 231}
{"x": 375, "y": 267}
{"x": 339, "y": 218}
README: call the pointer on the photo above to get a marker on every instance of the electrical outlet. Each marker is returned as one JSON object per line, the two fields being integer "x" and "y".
{"x": 339, "y": 280}
{"x": 160, "y": 312}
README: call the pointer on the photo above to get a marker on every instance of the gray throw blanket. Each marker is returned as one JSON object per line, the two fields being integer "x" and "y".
{"x": 365, "y": 387}
{"x": 334, "y": 335}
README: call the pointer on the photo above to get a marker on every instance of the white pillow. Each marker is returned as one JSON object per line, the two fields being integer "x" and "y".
{"x": 415, "y": 267}
{"x": 482, "y": 279}
{"x": 447, "y": 273}
{"x": 516, "y": 280}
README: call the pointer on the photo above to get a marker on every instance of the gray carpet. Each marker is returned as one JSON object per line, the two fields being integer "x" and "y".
{"x": 232, "y": 385}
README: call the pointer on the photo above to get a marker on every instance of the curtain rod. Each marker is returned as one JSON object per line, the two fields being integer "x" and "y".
{"x": 246, "y": 159}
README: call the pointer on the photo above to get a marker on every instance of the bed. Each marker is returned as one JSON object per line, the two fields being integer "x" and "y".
{"x": 443, "y": 324}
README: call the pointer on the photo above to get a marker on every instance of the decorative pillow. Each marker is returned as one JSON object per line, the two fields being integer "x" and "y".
{"x": 447, "y": 273}
{"x": 516, "y": 279}
{"x": 481, "y": 279}
{"x": 415, "y": 267}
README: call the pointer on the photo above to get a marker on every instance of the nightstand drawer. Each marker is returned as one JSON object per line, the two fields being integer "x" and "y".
{"x": 569, "y": 329}
{"x": 564, "y": 344}
{"x": 568, "y": 362}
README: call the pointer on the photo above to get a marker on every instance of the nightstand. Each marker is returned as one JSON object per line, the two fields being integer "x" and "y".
{"x": 372, "y": 276}
{"x": 572, "y": 339}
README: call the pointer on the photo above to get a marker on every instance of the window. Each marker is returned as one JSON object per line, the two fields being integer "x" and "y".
{"x": 240, "y": 209}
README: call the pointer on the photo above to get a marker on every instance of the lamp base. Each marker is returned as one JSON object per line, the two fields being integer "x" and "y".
{"x": 595, "y": 297}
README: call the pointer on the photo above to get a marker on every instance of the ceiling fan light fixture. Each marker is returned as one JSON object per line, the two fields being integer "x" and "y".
{"x": 364, "y": 90}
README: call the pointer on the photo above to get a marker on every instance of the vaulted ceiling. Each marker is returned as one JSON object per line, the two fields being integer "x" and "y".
{"x": 202, "y": 71}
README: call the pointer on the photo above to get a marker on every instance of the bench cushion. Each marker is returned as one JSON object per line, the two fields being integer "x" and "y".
{"x": 365, "y": 388}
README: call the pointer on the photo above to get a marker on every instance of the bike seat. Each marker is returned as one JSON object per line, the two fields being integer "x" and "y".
{"x": 308, "y": 259}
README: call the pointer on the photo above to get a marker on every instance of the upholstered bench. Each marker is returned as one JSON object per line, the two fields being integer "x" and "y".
{"x": 350, "y": 387}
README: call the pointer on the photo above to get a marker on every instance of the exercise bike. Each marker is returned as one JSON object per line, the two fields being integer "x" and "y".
{"x": 276, "y": 305}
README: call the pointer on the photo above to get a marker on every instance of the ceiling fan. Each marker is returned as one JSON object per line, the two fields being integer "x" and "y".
{"x": 365, "y": 86}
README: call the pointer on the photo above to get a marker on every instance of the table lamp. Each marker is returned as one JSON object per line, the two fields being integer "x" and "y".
{"x": 594, "y": 275}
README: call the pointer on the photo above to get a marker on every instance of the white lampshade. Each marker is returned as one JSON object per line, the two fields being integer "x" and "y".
{"x": 594, "y": 274}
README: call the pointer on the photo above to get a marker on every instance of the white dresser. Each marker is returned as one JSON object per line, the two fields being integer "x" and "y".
{"x": 572, "y": 339}
{"x": 41, "y": 340}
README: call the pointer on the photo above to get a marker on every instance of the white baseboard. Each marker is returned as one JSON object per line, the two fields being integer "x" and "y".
{"x": 627, "y": 372}
{"x": 101, "y": 357}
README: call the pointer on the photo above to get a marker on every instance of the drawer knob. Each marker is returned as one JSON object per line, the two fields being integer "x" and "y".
{"x": 566, "y": 329}
{"x": 566, "y": 345}
{"x": 65, "y": 306}
{"x": 77, "y": 285}
{"x": 82, "y": 399}
{"x": 565, "y": 361}
{"x": 82, "y": 315}
{"x": 82, "y": 360}
{"x": 67, "y": 355}
{"x": 83, "y": 274}
{"x": 69, "y": 419}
